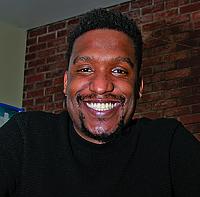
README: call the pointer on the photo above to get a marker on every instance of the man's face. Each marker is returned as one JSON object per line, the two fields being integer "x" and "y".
{"x": 100, "y": 84}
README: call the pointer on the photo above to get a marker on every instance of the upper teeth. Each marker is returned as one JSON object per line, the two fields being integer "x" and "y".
{"x": 101, "y": 106}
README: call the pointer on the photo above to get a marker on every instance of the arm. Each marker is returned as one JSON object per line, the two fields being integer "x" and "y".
{"x": 185, "y": 163}
{"x": 10, "y": 154}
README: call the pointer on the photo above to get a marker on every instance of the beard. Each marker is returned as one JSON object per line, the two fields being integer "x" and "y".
{"x": 102, "y": 136}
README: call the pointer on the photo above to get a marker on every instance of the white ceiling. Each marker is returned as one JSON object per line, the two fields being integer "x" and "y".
{"x": 28, "y": 14}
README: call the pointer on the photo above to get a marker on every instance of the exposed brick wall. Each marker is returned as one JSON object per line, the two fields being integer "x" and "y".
{"x": 171, "y": 70}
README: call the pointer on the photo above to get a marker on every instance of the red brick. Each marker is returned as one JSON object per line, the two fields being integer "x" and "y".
{"x": 43, "y": 100}
{"x": 46, "y": 53}
{"x": 27, "y": 102}
{"x": 52, "y": 90}
{"x": 35, "y": 108}
{"x": 143, "y": 107}
{"x": 59, "y": 96}
{"x": 153, "y": 96}
{"x": 190, "y": 8}
{"x": 178, "y": 19}
{"x": 45, "y": 67}
{"x": 124, "y": 7}
{"x": 30, "y": 56}
{"x": 196, "y": 108}
{"x": 163, "y": 67}
{"x": 181, "y": 73}
{"x": 152, "y": 115}
{"x": 35, "y": 63}
{"x": 180, "y": 27}
{"x": 134, "y": 14}
{"x": 166, "y": 14}
{"x": 153, "y": 26}
{"x": 175, "y": 3}
{"x": 147, "y": 71}
{"x": 147, "y": 88}
{"x": 73, "y": 21}
{"x": 196, "y": 16}
{"x": 55, "y": 58}
{"x": 164, "y": 85}
{"x": 164, "y": 104}
{"x": 28, "y": 87}
{"x": 140, "y": 4}
{"x": 175, "y": 56}
{"x": 37, "y": 47}
{"x": 35, "y": 93}
{"x": 31, "y": 41}
{"x": 62, "y": 48}
{"x": 34, "y": 78}
{"x": 190, "y": 81}
{"x": 178, "y": 92}
{"x": 177, "y": 111}
{"x": 56, "y": 26}
{"x": 147, "y": 18}
{"x": 37, "y": 31}
{"x": 197, "y": 25}
{"x": 56, "y": 73}
{"x": 153, "y": 8}
{"x": 56, "y": 42}
{"x": 196, "y": 90}
{"x": 52, "y": 106}
{"x": 30, "y": 71}
{"x": 46, "y": 37}
{"x": 42, "y": 84}
{"x": 62, "y": 33}
{"x": 188, "y": 100}
{"x": 58, "y": 81}
{"x": 190, "y": 118}
{"x": 194, "y": 128}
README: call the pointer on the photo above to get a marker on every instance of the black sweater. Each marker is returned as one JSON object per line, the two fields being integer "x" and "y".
{"x": 42, "y": 156}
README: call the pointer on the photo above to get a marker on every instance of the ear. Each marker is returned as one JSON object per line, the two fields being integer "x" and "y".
{"x": 141, "y": 86}
{"x": 65, "y": 83}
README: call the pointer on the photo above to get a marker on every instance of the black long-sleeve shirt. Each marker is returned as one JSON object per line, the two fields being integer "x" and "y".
{"x": 42, "y": 156}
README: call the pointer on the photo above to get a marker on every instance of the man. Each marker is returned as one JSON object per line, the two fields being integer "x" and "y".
{"x": 96, "y": 148}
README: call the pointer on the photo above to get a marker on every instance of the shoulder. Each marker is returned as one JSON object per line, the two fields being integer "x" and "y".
{"x": 168, "y": 124}
{"x": 37, "y": 121}
{"x": 162, "y": 129}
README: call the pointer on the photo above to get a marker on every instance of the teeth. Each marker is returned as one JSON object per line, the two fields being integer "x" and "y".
{"x": 101, "y": 106}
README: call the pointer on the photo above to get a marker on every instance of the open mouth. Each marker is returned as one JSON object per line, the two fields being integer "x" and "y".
{"x": 102, "y": 106}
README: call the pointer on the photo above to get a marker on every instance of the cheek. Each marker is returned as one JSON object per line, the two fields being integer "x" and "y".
{"x": 75, "y": 85}
{"x": 127, "y": 89}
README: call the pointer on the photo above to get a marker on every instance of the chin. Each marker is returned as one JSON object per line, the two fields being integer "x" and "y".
{"x": 102, "y": 134}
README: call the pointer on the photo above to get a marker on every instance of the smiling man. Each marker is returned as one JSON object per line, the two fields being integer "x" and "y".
{"x": 101, "y": 84}
{"x": 97, "y": 148}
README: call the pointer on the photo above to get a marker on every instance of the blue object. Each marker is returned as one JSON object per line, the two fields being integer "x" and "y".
{"x": 7, "y": 111}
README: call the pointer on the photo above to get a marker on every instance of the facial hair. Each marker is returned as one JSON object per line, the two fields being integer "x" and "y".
{"x": 102, "y": 137}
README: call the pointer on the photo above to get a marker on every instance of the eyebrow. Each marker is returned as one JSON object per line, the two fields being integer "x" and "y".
{"x": 82, "y": 58}
{"x": 116, "y": 59}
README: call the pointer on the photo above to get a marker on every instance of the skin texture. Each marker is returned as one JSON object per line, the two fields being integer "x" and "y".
{"x": 102, "y": 70}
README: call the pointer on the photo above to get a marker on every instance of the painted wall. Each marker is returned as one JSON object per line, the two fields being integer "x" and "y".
{"x": 12, "y": 59}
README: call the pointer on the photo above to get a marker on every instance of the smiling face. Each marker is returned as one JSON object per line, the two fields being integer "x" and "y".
{"x": 101, "y": 84}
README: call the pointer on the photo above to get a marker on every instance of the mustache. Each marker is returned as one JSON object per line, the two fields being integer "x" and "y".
{"x": 81, "y": 98}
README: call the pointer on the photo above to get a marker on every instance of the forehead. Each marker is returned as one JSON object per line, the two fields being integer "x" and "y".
{"x": 103, "y": 43}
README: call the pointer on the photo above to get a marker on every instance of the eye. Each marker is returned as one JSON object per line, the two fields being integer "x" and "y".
{"x": 119, "y": 71}
{"x": 86, "y": 70}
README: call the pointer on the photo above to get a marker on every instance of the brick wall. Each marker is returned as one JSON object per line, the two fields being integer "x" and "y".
{"x": 171, "y": 70}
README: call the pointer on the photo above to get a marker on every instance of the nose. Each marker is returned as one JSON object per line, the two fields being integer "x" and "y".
{"x": 101, "y": 84}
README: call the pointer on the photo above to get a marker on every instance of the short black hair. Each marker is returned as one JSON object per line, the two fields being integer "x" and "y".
{"x": 107, "y": 19}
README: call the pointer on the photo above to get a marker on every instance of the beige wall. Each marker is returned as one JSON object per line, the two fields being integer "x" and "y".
{"x": 12, "y": 58}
